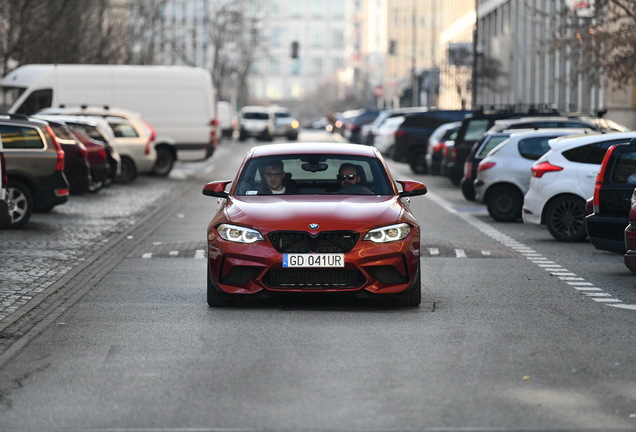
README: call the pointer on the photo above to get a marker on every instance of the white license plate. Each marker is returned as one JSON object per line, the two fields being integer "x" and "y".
{"x": 313, "y": 260}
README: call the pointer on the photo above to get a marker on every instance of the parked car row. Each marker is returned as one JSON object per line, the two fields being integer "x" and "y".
{"x": 46, "y": 157}
{"x": 575, "y": 175}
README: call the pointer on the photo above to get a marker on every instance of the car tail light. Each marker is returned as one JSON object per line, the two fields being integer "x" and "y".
{"x": 483, "y": 166}
{"x": 400, "y": 133}
{"x": 213, "y": 137}
{"x": 4, "y": 180}
{"x": 61, "y": 192}
{"x": 438, "y": 147}
{"x": 452, "y": 154}
{"x": 59, "y": 166}
{"x": 151, "y": 139}
{"x": 596, "y": 201}
{"x": 540, "y": 168}
{"x": 468, "y": 170}
{"x": 102, "y": 153}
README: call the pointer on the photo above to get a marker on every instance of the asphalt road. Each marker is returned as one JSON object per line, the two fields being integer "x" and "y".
{"x": 515, "y": 332}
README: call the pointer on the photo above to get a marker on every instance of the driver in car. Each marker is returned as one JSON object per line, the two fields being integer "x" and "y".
{"x": 349, "y": 180}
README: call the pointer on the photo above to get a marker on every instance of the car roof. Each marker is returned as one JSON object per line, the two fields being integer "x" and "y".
{"x": 89, "y": 110}
{"x": 311, "y": 148}
{"x": 547, "y": 131}
{"x": 583, "y": 139}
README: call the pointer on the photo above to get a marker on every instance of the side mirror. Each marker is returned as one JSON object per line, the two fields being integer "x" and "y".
{"x": 216, "y": 188}
{"x": 411, "y": 188}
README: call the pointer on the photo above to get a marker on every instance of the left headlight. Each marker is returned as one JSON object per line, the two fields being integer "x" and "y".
{"x": 239, "y": 234}
{"x": 388, "y": 233}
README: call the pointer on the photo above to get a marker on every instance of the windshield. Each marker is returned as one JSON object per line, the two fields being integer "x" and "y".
{"x": 314, "y": 175}
{"x": 8, "y": 96}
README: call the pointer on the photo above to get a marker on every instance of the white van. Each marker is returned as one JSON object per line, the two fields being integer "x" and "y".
{"x": 178, "y": 101}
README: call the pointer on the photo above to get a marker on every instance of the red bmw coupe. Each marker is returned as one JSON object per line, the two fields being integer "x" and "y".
{"x": 321, "y": 217}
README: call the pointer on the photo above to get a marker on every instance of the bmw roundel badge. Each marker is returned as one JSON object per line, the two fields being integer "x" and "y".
{"x": 313, "y": 226}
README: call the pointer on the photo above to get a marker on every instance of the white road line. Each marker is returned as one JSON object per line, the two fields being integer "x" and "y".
{"x": 147, "y": 255}
{"x": 579, "y": 283}
{"x": 460, "y": 253}
{"x": 199, "y": 254}
{"x": 173, "y": 253}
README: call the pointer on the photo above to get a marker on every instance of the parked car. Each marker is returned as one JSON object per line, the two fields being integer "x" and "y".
{"x": 35, "y": 167}
{"x": 372, "y": 128}
{"x": 563, "y": 179}
{"x": 99, "y": 130}
{"x": 543, "y": 122}
{"x": 435, "y": 150}
{"x": 630, "y": 236}
{"x": 5, "y": 217}
{"x": 327, "y": 237}
{"x": 285, "y": 125}
{"x": 503, "y": 176}
{"x": 134, "y": 140}
{"x": 354, "y": 127}
{"x": 76, "y": 166}
{"x": 476, "y": 124}
{"x": 256, "y": 122}
{"x": 414, "y": 132}
{"x": 613, "y": 190}
{"x": 385, "y": 135}
{"x": 480, "y": 149}
{"x": 97, "y": 156}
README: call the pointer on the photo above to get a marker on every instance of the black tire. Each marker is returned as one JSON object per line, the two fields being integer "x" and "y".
{"x": 128, "y": 170}
{"x": 413, "y": 297}
{"x": 165, "y": 162}
{"x": 216, "y": 298}
{"x": 20, "y": 202}
{"x": 455, "y": 178}
{"x": 565, "y": 218}
{"x": 418, "y": 163}
{"x": 468, "y": 190}
{"x": 292, "y": 137}
{"x": 504, "y": 203}
{"x": 95, "y": 186}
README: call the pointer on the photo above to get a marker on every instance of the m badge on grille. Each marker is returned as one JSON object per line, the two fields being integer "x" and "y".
{"x": 313, "y": 226}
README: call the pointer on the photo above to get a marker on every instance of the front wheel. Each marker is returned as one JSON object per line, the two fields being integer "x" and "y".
{"x": 128, "y": 170}
{"x": 418, "y": 163}
{"x": 565, "y": 219}
{"x": 504, "y": 203}
{"x": 413, "y": 297}
{"x": 20, "y": 203}
{"x": 165, "y": 162}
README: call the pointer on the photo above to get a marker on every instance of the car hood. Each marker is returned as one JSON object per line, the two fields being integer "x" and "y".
{"x": 295, "y": 213}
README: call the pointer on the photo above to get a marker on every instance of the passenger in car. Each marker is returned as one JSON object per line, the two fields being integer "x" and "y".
{"x": 277, "y": 182}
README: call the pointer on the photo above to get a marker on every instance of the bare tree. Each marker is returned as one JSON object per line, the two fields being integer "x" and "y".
{"x": 602, "y": 45}
{"x": 59, "y": 31}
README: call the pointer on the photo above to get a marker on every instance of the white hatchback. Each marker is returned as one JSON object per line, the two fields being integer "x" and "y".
{"x": 385, "y": 136}
{"x": 503, "y": 176}
{"x": 563, "y": 179}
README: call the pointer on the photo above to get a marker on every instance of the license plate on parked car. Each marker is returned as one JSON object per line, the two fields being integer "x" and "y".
{"x": 313, "y": 260}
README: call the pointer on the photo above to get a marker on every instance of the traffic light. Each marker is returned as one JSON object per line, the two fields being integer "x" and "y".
{"x": 294, "y": 49}
{"x": 392, "y": 46}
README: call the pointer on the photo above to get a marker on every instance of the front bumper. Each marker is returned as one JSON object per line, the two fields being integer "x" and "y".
{"x": 373, "y": 268}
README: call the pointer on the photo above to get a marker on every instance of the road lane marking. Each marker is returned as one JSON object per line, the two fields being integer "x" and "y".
{"x": 580, "y": 285}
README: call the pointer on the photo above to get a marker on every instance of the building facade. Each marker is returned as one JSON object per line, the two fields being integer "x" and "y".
{"x": 520, "y": 60}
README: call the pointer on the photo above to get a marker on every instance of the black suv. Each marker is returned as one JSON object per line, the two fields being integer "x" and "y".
{"x": 35, "y": 167}
{"x": 615, "y": 185}
{"x": 412, "y": 135}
